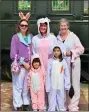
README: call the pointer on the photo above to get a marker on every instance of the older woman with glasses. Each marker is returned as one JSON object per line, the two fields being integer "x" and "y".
{"x": 21, "y": 46}
{"x": 72, "y": 49}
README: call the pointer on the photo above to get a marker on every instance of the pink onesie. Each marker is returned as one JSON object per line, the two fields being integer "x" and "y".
{"x": 36, "y": 82}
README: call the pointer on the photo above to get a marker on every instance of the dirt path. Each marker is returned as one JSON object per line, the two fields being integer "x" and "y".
{"x": 6, "y": 98}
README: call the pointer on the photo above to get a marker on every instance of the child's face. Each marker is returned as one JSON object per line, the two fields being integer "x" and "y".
{"x": 56, "y": 52}
{"x": 36, "y": 65}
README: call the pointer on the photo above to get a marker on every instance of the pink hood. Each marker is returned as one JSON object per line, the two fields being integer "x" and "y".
{"x": 33, "y": 57}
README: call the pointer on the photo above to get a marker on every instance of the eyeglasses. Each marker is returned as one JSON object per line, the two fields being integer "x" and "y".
{"x": 22, "y": 25}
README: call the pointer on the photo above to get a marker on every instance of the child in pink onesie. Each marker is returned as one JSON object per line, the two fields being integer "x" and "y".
{"x": 36, "y": 82}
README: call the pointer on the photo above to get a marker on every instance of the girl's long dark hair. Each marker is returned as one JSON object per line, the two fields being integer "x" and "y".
{"x": 60, "y": 56}
{"x": 18, "y": 29}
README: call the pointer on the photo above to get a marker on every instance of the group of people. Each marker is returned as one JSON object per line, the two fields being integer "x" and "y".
{"x": 45, "y": 65}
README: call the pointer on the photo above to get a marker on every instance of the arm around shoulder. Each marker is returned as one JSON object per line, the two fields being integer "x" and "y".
{"x": 78, "y": 48}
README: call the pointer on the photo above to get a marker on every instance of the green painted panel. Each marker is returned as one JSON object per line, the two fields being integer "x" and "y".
{"x": 7, "y": 30}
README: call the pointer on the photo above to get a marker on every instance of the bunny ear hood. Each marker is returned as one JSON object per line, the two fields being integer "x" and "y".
{"x": 43, "y": 20}
{"x": 32, "y": 58}
{"x": 22, "y": 16}
{"x": 35, "y": 56}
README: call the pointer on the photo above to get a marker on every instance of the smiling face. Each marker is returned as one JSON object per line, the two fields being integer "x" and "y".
{"x": 36, "y": 65}
{"x": 63, "y": 27}
{"x": 43, "y": 28}
{"x": 23, "y": 26}
{"x": 56, "y": 52}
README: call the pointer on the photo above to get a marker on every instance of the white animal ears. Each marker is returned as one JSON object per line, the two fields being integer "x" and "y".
{"x": 21, "y": 15}
{"x": 43, "y": 20}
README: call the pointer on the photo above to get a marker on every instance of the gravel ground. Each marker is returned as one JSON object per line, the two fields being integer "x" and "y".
{"x": 6, "y": 97}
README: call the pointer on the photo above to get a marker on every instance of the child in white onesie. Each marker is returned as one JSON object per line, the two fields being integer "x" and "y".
{"x": 57, "y": 80}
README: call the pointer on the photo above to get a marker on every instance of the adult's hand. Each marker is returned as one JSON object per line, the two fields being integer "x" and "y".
{"x": 68, "y": 53}
{"x": 27, "y": 66}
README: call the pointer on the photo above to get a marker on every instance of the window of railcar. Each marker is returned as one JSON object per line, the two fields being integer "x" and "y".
{"x": 24, "y": 5}
{"x": 61, "y": 8}
{"x": 60, "y": 5}
{"x": 86, "y": 8}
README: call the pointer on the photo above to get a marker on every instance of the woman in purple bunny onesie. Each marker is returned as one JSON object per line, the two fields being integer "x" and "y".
{"x": 21, "y": 45}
